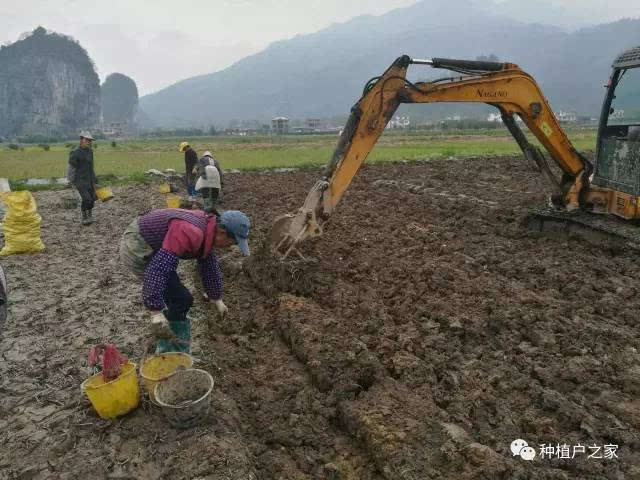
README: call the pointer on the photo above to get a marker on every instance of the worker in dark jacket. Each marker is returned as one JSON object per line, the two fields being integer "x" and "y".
{"x": 190, "y": 161}
{"x": 82, "y": 176}
{"x": 152, "y": 246}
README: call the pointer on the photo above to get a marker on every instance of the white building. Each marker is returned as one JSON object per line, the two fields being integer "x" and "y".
{"x": 399, "y": 122}
{"x": 497, "y": 117}
{"x": 617, "y": 114}
{"x": 562, "y": 116}
{"x": 280, "y": 125}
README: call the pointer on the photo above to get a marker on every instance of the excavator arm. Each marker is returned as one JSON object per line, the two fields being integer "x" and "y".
{"x": 503, "y": 85}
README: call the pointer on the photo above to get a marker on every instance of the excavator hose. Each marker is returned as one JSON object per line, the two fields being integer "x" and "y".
{"x": 473, "y": 65}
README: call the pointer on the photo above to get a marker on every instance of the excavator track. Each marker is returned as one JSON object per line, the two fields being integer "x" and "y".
{"x": 598, "y": 229}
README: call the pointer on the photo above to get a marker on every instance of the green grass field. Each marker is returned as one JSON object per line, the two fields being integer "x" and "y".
{"x": 128, "y": 160}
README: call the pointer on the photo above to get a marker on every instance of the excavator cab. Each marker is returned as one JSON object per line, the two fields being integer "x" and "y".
{"x": 618, "y": 147}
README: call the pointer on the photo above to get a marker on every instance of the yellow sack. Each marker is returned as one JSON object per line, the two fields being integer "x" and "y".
{"x": 21, "y": 224}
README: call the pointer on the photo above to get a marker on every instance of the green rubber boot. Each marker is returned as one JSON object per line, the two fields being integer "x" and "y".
{"x": 182, "y": 330}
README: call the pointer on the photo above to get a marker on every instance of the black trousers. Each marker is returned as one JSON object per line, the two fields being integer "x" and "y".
{"x": 209, "y": 198}
{"x": 88, "y": 198}
{"x": 177, "y": 298}
{"x": 178, "y": 301}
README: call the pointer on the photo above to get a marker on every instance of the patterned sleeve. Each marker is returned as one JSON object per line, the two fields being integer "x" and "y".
{"x": 156, "y": 277}
{"x": 211, "y": 276}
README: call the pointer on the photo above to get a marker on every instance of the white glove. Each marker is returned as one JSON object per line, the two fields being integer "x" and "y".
{"x": 160, "y": 326}
{"x": 221, "y": 308}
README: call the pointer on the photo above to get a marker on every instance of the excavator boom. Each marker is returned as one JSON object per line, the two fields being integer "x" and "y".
{"x": 503, "y": 85}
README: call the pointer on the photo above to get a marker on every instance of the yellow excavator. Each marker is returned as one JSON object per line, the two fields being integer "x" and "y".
{"x": 610, "y": 187}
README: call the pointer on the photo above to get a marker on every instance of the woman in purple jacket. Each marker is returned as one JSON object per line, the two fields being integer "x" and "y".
{"x": 152, "y": 246}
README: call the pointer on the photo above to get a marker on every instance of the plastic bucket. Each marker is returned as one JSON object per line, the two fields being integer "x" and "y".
{"x": 164, "y": 188}
{"x": 104, "y": 193}
{"x": 157, "y": 368}
{"x": 173, "y": 201}
{"x": 114, "y": 398}
{"x": 185, "y": 397}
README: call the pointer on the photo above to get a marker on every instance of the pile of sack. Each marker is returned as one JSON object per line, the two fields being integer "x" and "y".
{"x": 21, "y": 224}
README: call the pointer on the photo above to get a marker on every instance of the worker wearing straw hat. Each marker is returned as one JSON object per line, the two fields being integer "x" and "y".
{"x": 190, "y": 161}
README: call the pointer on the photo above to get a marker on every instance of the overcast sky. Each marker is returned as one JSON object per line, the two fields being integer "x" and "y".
{"x": 158, "y": 42}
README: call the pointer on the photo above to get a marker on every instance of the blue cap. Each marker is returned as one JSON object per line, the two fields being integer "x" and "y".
{"x": 237, "y": 224}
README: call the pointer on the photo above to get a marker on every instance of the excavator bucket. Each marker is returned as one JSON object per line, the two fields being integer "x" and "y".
{"x": 289, "y": 230}
{"x": 281, "y": 234}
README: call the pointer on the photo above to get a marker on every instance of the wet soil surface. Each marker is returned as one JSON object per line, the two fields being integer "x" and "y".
{"x": 425, "y": 331}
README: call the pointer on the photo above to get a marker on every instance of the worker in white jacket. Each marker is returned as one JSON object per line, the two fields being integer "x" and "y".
{"x": 208, "y": 183}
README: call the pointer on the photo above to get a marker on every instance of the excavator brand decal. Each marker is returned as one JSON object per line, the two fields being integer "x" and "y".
{"x": 544, "y": 126}
{"x": 492, "y": 94}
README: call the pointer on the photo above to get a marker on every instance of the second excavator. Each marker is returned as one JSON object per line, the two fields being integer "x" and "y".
{"x": 610, "y": 186}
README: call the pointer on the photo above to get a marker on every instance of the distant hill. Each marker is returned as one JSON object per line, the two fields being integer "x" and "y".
{"x": 322, "y": 74}
{"x": 48, "y": 87}
{"x": 119, "y": 99}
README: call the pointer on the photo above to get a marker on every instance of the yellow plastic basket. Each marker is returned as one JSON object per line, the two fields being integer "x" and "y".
{"x": 104, "y": 193}
{"x": 116, "y": 397}
{"x": 160, "y": 367}
{"x": 173, "y": 201}
{"x": 164, "y": 188}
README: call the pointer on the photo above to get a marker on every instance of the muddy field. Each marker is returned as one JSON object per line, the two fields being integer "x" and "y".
{"x": 426, "y": 331}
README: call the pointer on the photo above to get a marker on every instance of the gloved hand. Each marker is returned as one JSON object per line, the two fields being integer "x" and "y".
{"x": 221, "y": 308}
{"x": 160, "y": 326}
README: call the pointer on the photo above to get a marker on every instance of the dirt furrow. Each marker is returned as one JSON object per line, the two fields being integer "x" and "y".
{"x": 424, "y": 334}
